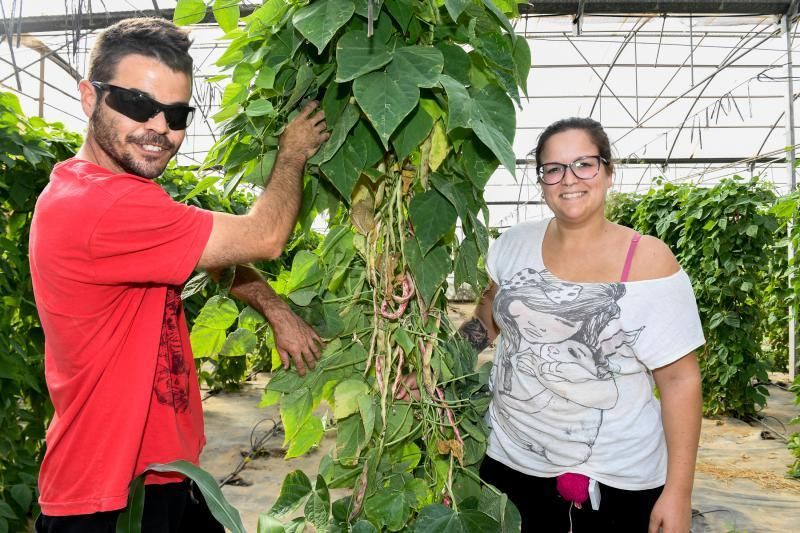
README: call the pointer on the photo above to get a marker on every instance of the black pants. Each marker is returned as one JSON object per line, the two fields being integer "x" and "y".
{"x": 543, "y": 510}
{"x": 170, "y": 508}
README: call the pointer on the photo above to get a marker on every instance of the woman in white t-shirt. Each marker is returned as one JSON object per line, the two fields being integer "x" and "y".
{"x": 590, "y": 317}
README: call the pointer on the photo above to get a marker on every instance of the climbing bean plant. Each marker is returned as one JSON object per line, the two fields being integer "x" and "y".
{"x": 419, "y": 97}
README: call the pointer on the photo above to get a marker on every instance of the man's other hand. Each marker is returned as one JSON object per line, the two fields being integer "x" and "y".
{"x": 295, "y": 340}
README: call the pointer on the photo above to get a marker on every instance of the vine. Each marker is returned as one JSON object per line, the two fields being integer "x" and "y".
{"x": 419, "y": 97}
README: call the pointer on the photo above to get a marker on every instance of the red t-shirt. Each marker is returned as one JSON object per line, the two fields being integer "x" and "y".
{"x": 109, "y": 253}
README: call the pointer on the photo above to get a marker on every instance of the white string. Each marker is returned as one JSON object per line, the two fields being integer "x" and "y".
{"x": 570, "y": 516}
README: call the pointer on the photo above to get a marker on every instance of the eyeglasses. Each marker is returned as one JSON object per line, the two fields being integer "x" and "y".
{"x": 584, "y": 168}
{"x": 139, "y": 107}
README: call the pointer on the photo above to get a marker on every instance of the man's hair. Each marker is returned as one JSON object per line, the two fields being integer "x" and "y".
{"x": 152, "y": 37}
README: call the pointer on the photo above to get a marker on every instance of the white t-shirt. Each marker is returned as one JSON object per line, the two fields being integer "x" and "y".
{"x": 571, "y": 384}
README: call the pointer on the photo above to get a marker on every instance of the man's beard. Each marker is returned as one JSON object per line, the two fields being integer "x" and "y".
{"x": 105, "y": 137}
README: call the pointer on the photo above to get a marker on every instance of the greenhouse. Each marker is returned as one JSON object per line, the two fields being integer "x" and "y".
{"x": 382, "y": 291}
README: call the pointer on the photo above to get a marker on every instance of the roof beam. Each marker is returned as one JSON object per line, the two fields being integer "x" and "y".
{"x": 748, "y": 7}
{"x": 664, "y": 162}
{"x": 95, "y": 21}
{"x": 98, "y": 21}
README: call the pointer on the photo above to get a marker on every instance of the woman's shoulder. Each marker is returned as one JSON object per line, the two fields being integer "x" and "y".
{"x": 524, "y": 231}
{"x": 529, "y": 225}
{"x": 653, "y": 260}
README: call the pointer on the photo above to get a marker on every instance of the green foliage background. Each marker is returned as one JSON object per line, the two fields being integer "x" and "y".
{"x": 29, "y": 148}
{"x": 730, "y": 238}
{"x": 245, "y": 353}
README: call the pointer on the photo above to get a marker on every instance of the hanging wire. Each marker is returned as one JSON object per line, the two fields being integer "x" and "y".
{"x": 9, "y": 26}
{"x": 764, "y": 77}
{"x": 741, "y": 163}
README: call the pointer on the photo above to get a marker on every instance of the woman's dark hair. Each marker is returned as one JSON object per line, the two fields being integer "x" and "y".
{"x": 589, "y": 125}
{"x": 152, "y": 37}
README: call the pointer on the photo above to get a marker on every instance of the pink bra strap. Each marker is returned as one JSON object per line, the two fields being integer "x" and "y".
{"x": 628, "y": 260}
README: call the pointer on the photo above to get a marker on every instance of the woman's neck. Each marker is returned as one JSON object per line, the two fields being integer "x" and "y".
{"x": 579, "y": 234}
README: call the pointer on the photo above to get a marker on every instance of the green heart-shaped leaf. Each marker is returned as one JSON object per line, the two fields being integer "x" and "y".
{"x": 420, "y": 65}
{"x": 437, "y": 518}
{"x": 430, "y": 270}
{"x": 295, "y": 489}
{"x": 385, "y": 101}
{"x": 319, "y": 22}
{"x": 188, "y": 12}
{"x": 433, "y": 217}
{"x": 240, "y": 342}
{"x": 357, "y": 54}
{"x": 413, "y": 130}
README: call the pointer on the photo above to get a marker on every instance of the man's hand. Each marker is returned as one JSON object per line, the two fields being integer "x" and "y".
{"x": 304, "y": 134}
{"x": 294, "y": 339}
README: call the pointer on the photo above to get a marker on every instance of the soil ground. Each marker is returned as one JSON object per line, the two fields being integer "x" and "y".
{"x": 739, "y": 487}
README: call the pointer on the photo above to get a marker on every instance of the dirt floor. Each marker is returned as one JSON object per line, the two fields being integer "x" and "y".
{"x": 739, "y": 487}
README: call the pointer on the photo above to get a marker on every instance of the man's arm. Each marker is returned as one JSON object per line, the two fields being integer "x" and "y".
{"x": 262, "y": 233}
{"x": 294, "y": 339}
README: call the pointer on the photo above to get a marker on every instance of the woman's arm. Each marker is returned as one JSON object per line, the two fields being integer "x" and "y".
{"x": 481, "y": 330}
{"x": 681, "y": 408}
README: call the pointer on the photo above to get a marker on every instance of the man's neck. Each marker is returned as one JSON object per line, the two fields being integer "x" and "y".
{"x": 90, "y": 151}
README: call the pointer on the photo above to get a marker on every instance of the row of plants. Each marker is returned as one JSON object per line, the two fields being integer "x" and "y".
{"x": 788, "y": 210}
{"x": 29, "y": 147}
{"x": 732, "y": 239}
{"x": 419, "y": 96}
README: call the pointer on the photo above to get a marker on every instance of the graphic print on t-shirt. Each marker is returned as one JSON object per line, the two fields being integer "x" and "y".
{"x": 561, "y": 356}
{"x": 171, "y": 385}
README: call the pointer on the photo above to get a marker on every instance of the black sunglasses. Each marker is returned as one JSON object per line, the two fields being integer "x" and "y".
{"x": 139, "y": 107}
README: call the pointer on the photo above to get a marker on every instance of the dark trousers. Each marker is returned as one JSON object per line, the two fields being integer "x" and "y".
{"x": 543, "y": 510}
{"x": 170, "y": 508}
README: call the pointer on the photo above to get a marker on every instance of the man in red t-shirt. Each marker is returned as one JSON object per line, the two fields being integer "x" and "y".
{"x": 109, "y": 252}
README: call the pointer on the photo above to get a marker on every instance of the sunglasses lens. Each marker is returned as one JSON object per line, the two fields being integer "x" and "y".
{"x": 179, "y": 118}
{"x": 133, "y": 105}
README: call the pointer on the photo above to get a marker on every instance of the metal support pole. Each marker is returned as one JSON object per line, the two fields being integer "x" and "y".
{"x": 792, "y": 318}
{"x": 786, "y": 28}
{"x": 577, "y": 22}
{"x": 41, "y": 86}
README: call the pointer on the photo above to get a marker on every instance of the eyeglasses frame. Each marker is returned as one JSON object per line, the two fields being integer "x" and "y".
{"x": 599, "y": 158}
